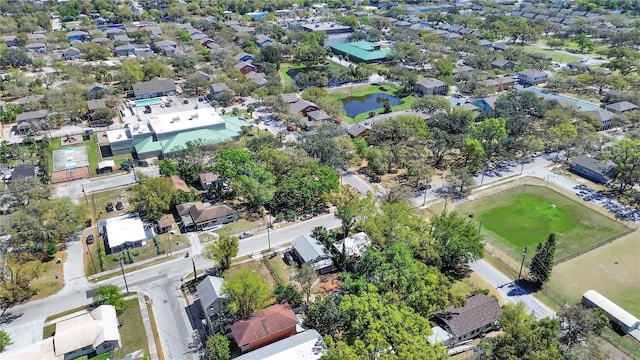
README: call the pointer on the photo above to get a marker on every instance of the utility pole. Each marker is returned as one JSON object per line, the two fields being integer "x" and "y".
{"x": 91, "y": 256}
{"x": 524, "y": 256}
{"x": 170, "y": 240}
{"x": 195, "y": 275}
{"x": 480, "y": 226}
{"x": 85, "y": 195}
{"x": 269, "y": 226}
{"x": 446, "y": 199}
{"x": 124, "y": 277}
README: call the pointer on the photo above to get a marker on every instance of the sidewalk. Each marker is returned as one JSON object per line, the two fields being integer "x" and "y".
{"x": 137, "y": 264}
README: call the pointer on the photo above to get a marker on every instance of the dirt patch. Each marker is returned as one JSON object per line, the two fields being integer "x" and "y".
{"x": 71, "y": 174}
{"x": 327, "y": 285}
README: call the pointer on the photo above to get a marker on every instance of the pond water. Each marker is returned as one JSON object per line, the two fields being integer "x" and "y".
{"x": 357, "y": 105}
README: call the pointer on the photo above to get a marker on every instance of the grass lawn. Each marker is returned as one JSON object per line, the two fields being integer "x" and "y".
{"x": 240, "y": 226}
{"x": 570, "y": 45}
{"x": 132, "y": 331}
{"x": 258, "y": 267}
{"x": 526, "y": 215}
{"x": 557, "y": 56}
{"x": 100, "y": 200}
{"x": 365, "y": 90}
{"x": 611, "y": 269}
{"x": 46, "y": 283}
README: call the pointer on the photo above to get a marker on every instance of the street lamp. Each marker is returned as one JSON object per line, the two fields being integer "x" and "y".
{"x": 524, "y": 255}
{"x": 91, "y": 256}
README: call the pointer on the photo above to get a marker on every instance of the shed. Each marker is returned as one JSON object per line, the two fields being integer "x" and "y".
{"x": 623, "y": 321}
{"x": 106, "y": 166}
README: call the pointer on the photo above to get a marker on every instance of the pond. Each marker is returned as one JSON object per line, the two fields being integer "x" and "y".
{"x": 360, "y": 104}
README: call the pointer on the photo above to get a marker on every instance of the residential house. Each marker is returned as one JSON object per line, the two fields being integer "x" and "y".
{"x": 245, "y": 67}
{"x": 485, "y": 44}
{"x": 499, "y": 84}
{"x": 196, "y": 216}
{"x": 501, "y": 47}
{"x": 600, "y": 70}
{"x": 71, "y": 53}
{"x": 303, "y": 107}
{"x": 354, "y": 245}
{"x": 154, "y": 88}
{"x": 39, "y": 48}
{"x": 503, "y": 64}
{"x": 122, "y": 232}
{"x": 468, "y": 107}
{"x": 123, "y": 38}
{"x": 318, "y": 115}
{"x": 111, "y": 33}
{"x": 178, "y": 183}
{"x": 532, "y": 77}
{"x": 430, "y": 86}
{"x": 218, "y": 89}
{"x": 306, "y": 345}
{"x": 209, "y": 44}
{"x": 23, "y": 172}
{"x": 95, "y": 332}
{"x": 10, "y": 41}
{"x": 212, "y": 298}
{"x": 460, "y": 70}
{"x": 290, "y": 98}
{"x": 485, "y": 104}
{"x": 209, "y": 179}
{"x": 602, "y": 116}
{"x": 243, "y": 56}
{"x": 125, "y": 50}
{"x": 166, "y": 47}
{"x": 32, "y": 120}
{"x": 263, "y": 40}
{"x": 542, "y": 56}
{"x": 264, "y": 327}
{"x": 165, "y": 224}
{"x": 479, "y": 314}
{"x": 76, "y": 35}
{"x": 577, "y": 66}
{"x": 358, "y": 130}
{"x": 101, "y": 40}
{"x": 94, "y": 105}
{"x": 622, "y": 107}
{"x": 314, "y": 253}
{"x": 592, "y": 169}
{"x": 259, "y": 78}
{"x": 204, "y": 75}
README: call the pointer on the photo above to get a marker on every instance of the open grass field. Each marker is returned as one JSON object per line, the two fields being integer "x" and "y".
{"x": 365, "y": 90}
{"x": 526, "y": 215}
{"x": 613, "y": 270}
{"x": 132, "y": 331}
{"x": 571, "y": 46}
{"x": 559, "y": 57}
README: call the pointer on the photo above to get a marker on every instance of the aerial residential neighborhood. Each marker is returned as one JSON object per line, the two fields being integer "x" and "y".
{"x": 306, "y": 180}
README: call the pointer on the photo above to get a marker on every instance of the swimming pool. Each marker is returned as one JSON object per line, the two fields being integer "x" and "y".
{"x": 151, "y": 101}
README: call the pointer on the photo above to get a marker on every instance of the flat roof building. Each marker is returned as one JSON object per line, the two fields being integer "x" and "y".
{"x": 362, "y": 51}
{"x": 623, "y": 320}
{"x": 165, "y": 125}
{"x": 122, "y": 232}
{"x": 327, "y": 27}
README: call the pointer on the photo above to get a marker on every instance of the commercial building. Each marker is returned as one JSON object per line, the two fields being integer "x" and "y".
{"x": 170, "y": 132}
{"x": 362, "y": 51}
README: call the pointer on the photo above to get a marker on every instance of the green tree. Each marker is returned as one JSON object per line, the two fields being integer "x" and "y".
{"x": 222, "y": 251}
{"x": 444, "y": 67}
{"x": 459, "y": 182}
{"x": 579, "y": 335}
{"x": 129, "y": 73}
{"x": 563, "y": 135}
{"x": 379, "y": 160}
{"x": 5, "y": 340}
{"x": 255, "y": 193}
{"x": 110, "y": 295}
{"x": 431, "y": 104}
{"x": 305, "y": 275}
{"x": 288, "y": 294}
{"x": 16, "y": 288}
{"x": 153, "y": 195}
{"x": 583, "y": 42}
{"x": 625, "y": 153}
{"x": 542, "y": 262}
{"x": 167, "y": 167}
{"x": 326, "y": 316}
{"x": 246, "y": 290}
{"x": 473, "y": 154}
{"x": 232, "y": 163}
{"x": 217, "y": 348}
{"x": 310, "y": 53}
{"x": 457, "y": 243}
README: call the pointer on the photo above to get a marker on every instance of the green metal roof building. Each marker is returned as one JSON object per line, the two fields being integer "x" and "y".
{"x": 361, "y": 51}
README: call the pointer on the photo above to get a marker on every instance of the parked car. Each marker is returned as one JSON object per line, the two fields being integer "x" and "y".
{"x": 306, "y": 217}
{"x": 90, "y": 239}
{"x": 185, "y": 101}
{"x": 537, "y": 154}
{"x": 246, "y": 234}
{"x": 119, "y": 205}
{"x": 109, "y": 207}
{"x": 288, "y": 259}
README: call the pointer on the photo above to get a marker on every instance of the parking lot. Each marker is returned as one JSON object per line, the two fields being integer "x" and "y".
{"x": 621, "y": 211}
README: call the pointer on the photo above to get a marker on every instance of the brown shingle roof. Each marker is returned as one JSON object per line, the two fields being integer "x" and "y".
{"x": 478, "y": 312}
{"x": 178, "y": 183}
{"x": 200, "y": 213}
{"x": 165, "y": 222}
{"x": 209, "y": 177}
{"x": 264, "y": 323}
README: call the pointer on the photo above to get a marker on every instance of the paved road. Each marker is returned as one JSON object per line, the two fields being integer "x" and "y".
{"x": 161, "y": 282}
{"x": 509, "y": 289}
{"x": 355, "y": 181}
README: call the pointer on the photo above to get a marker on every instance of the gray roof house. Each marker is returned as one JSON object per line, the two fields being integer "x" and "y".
{"x": 94, "y": 105}
{"x": 211, "y": 296}
{"x": 71, "y": 53}
{"x": 503, "y": 64}
{"x": 39, "y": 48}
{"x": 622, "y": 107}
{"x": 196, "y": 216}
{"x": 592, "y": 169}
{"x": 312, "y": 252}
{"x": 219, "y": 88}
{"x": 154, "y": 88}
{"x": 604, "y": 117}
{"x": 430, "y": 86}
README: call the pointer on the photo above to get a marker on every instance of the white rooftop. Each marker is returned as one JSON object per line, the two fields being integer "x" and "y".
{"x": 117, "y": 135}
{"x": 611, "y": 308}
{"x": 125, "y": 228}
{"x": 354, "y": 245}
{"x": 184, "y": 120}
{"x": 303, "y": 346}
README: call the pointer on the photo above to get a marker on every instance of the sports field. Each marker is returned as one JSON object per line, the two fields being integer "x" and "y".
{"x": 526, "y": 215}
{"x": 611, "y": 269}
